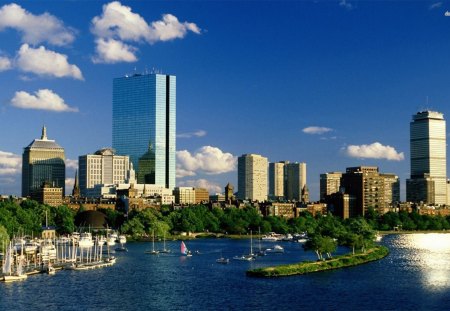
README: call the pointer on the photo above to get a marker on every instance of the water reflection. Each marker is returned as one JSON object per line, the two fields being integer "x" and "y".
{"x": 429, "y": 255}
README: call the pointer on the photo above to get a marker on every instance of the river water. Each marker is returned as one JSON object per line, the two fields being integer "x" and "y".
{"x": 415, "y": 276}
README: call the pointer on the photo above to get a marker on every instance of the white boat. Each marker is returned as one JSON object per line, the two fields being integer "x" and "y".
{"x": 269, "y": 238}
{"x": 9, "y": 276}
{"x": 47, "y": 251}
{"x": 244, "y": 258}
{"x": 85, "y": 240}
{"x": 122, "y": 239}
{"x": 275, "y": 249}
{"x": 164, "y": 250}
{"x": 152, "y": 251}
{"x": 223, "y": 260}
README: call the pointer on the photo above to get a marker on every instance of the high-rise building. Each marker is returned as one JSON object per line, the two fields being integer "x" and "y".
{"x": 276, "y": 180}
{"x": 43, "y": 161}
{"x": 144, "y": 113}
{"x": 102, "y": 167}
{"x": 296, "y": 181}
{"x": 329, "y": 184}
{"x": 428, "y": 182}
{"x": 252, "y": 177}
{"x": 370, "y": 189}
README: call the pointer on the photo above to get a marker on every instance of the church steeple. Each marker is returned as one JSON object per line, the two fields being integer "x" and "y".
{"x": 44, "y": 133}
{"x": 76, "y": 186}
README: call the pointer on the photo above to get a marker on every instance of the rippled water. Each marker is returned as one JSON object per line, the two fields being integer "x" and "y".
{"x": 415, "y": 276}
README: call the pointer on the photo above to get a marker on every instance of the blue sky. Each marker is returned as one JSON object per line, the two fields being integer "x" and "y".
{"x": 251, "y": 77}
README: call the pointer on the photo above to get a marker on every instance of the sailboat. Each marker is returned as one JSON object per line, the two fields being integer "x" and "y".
{"x": 250, "y": 256}
{"x": 165, "y": 250}
{"x": 153, "y": 251}
{"x": 7, "y": 268}
{"x": 260, "y": 252}
{"x": 184, "y": 250}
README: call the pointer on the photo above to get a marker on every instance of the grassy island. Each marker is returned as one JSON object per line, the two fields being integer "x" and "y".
{"x": 348, "y": 260}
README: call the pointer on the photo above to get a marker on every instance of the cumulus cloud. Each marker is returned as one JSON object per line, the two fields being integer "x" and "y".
{"x": 45, "y": 62}
{"x": 201, "y": 183}
{"x": 10, "y": 163}
{"x": 43, "y": 100}
{"x": 112, "y": 51}
{"x": 435, "y": 5}
{"x": 208, "y": 159}
{"x": 69, "y": 185}
{"x": 199, "y": 133}
{"x": 316, "y": 130}
{"x": 35, "y": 28}
{"x": 118, "y": 24}
{"x": 71, "y": 164}
{"x": 5, "y": 63}
{"x": 374, "y": 151}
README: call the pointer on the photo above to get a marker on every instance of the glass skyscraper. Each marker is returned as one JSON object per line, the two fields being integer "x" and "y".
{"x": 428, "y": 182}
{"x": 144, "y": 114}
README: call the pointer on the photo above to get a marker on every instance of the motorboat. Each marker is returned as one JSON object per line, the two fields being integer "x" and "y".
{"x": 223, "y": 260}
{"x": 244, "y": 257}
{"x": 275, "y": 249}
{"x": 85, "y": 240}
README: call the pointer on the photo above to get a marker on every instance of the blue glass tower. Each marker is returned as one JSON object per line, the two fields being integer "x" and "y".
{"x": 144, "y": 114}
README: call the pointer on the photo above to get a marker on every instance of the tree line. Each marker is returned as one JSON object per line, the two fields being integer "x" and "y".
{"x": 325, "y": 232}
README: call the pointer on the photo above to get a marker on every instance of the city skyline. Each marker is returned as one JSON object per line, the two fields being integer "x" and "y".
{"x": 349, "y": 77}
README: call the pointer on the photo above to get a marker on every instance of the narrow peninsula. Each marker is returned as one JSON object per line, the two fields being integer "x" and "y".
{"x": 348, "y": 260}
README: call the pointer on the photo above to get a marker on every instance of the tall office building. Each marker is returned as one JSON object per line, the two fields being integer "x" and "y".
{"x": 144, "y": 113}
{"x": 370, "y": 189}
{"x": 102, "y": 167}
{"x": 296, "y": 181}
{"x": 276, "y": 180}
{"x": 329, "y": 184}
{"x": 252, "y": 177}
{"x": 428, "y": 182}
{"x": 43, "y": 161}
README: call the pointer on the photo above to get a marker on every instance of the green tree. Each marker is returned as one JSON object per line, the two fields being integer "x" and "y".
{"x": 4, "y": 239}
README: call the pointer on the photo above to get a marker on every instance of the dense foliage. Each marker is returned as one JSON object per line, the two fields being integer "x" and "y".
{"x": 326, "y": 232}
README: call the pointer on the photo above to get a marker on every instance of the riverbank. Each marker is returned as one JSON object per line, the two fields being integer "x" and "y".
{"x": 348, "y": 260}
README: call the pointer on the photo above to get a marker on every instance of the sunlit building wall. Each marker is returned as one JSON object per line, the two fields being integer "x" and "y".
{"x": 252, "y": 177}
{"x": 428, "y": 158}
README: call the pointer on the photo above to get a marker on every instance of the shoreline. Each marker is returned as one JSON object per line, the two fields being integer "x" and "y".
{"x": 306, "y": 267}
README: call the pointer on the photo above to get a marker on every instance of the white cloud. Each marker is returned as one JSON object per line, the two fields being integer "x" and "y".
{"x": 374, "y": 151}
{"x": 170, "y": 28}
{"x": 45, "y": 62}
{"x": 435, "y": 5}
{"x": 316, "y": 130}
{"x": 346, "y": 4}
{"x": 69, "y": 185}
{"x": 199, "y": 133}
{"x": 118, "y": 24}
{"x": 43, "y": 100}
{"x": 202, "y": 183}
{"x": 112, "y": 51}
{"x": 5, "y": 63}
{"x": 71, "y": 164}
{"x": 210, "y": 160}
{"x": 35, "y": 28}
{"x": 10, "y": 163}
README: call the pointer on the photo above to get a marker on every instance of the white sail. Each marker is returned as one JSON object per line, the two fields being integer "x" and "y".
{"x": 7, "y": 263}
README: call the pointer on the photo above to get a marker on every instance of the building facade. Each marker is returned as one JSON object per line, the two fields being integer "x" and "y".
{"x": 276, "y": 180}
{"x": 252, "y": 177}
{"x": 428, "y": 182}
{"x": 102, "y": 167}
{"x": 144, "y": 113}
{"x": 184, "y": 195}
{"x": 370, "y": 189}
{"x": 296, "y": 181}
{"x": 43, "y": 161}
{"x": 329, "y": 183}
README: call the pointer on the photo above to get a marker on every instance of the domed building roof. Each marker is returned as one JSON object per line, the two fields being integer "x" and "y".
{"x": 91, "y": 219}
